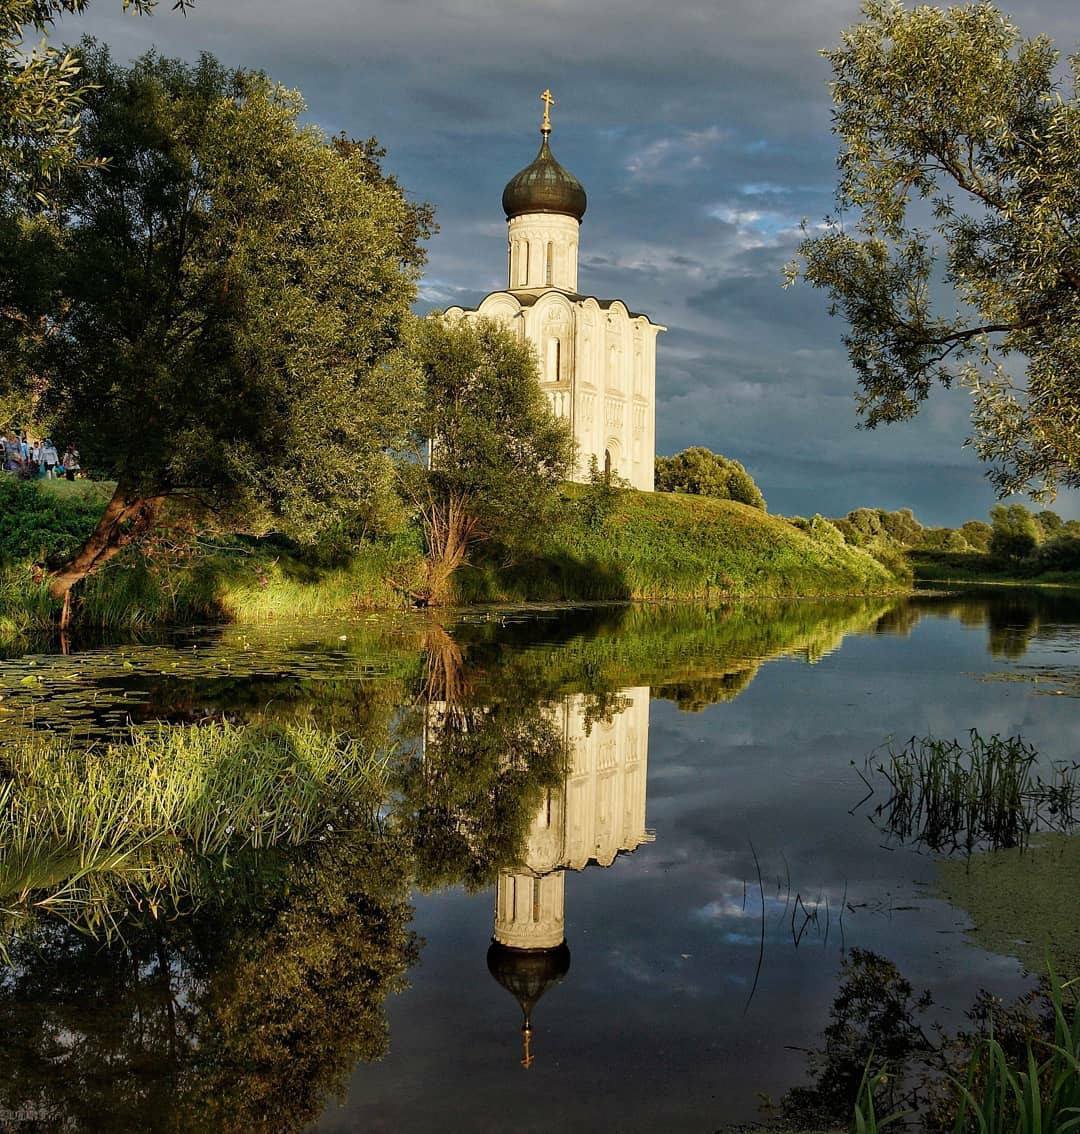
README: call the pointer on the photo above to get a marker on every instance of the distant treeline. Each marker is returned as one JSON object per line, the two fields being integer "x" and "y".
{"x": 1015, "y": 538}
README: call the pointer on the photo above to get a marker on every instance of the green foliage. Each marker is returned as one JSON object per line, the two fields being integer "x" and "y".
{"x": 1014, "y": 534}
{"x": 232, "y": 292}
{"x": 1039, "y": 1091}
{"x": 1050, "y": 524}
{"x": 946, "y": 794}
{"x": 43, "y": 525}
{"x": 489, "y": 454}
{"x": 701, "y": 472}
{"x": 977, "y": 535}
{"x": 41, "y": 93}
{"x": 1062, "y": 553}
{"x": 942, "y": 539}
{"x": 951, "y": 109}
{"x": 873, "y": 1024}
{"x": 596, "y": 502}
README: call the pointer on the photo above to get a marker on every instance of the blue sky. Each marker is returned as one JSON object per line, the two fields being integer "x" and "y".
{"x": 701, "y": 133}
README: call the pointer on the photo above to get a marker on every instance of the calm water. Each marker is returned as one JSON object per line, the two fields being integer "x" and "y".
{"x": 644, "y": 826}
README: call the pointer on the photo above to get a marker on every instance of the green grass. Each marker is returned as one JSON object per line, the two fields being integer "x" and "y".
{"x": 666, "y": 546}
{"x": 950, "y": 795}
{"x": 80, "y": 826}
{"x": 647, "y": 546}
{"x": 975, "y": 567}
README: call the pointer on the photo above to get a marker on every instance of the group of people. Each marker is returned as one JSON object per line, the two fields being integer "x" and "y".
{"x": 38, "y": 459}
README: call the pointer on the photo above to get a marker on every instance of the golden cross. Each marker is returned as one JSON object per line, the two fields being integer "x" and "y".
{"x": 548, "y": 102}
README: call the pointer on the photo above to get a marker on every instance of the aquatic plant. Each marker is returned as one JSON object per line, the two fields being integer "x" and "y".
{"x": 1037, "y": 1094}
{"x": 948, "y": 795}
{"x": 83, "y": 828}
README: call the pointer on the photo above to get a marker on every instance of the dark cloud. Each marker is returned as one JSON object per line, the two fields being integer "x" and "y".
{"x": 700, "y": 129}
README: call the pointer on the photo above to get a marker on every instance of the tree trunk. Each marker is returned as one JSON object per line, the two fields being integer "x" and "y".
{"x": 450, "y": 530}
{"x": 127, "y": 517}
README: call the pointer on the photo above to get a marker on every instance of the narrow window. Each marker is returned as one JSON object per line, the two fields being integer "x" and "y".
{"x": 536, "y": 899}
{"x": 558, "y": 360}
{"x": 549, "y": 267}
{"x": 607, "y": 464}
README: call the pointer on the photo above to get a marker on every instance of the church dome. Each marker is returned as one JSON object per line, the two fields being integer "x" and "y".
{"x": 544, "y": 186}
{"x": 528, "y": 973}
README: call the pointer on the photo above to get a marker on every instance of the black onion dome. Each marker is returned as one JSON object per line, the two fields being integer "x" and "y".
{"x": 544, "y": 187}
{"x": 528, "y": 973}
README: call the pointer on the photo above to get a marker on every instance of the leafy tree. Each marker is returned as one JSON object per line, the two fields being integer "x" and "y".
{"x": 1015, "y": 534}
{"x": 943, "y": 539}
{"x": 488, "y": 452}
{"x": 701, "y": 472}
{"x": 947, "y": 114}
{"x": 234, "y": 289}
{"x": 240, "y": 1015}
{"x": 1050, "y": 524}
{"x": 41, "y": 94}
{"x": 977, "y": 535}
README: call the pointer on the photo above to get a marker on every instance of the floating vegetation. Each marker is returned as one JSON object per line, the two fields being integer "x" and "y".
{"x": 1059, "y": 681}
{"x": 948, "y": 795}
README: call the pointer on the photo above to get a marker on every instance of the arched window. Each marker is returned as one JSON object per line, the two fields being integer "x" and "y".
{"x": 607, "y": 464}
{"x": 554, "y": 359}
{"x": 525, "y": 265}
{"x": 549, "y": 265}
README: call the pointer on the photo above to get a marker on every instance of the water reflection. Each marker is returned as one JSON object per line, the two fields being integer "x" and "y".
{"x": 595, "y": 814}
{"x": 519, "y": 762}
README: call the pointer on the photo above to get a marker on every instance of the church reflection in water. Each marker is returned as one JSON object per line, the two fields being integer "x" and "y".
{"x": 597, "y": 814}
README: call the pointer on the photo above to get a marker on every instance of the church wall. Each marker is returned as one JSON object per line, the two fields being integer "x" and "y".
{"x": 598, "y": 369}
{"x": 599, "y": 811}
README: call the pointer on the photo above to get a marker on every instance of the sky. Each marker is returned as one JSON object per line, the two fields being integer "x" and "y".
{"x": 701, "y": 132}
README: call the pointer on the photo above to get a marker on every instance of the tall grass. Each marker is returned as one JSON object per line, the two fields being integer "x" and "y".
{"x": 948, "y": 795}
{"x": 82, "y": 828}
{"x": 1034, "y": 1092}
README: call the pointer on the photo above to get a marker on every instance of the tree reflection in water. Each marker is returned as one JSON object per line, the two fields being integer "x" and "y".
{"x": 244, "y": 1009}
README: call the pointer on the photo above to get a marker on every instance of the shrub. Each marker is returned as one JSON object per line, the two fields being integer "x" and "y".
{"x": 942, "y": 539}
{"x": 1059, "y": 554}
{"x": 701, "y": 472}
{"x": 43, "y": 525}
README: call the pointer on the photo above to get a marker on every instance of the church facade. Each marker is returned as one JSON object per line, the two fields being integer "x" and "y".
{"x": 597, "y": 358}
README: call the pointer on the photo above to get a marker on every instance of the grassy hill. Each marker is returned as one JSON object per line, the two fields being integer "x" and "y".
{"x": 664, "y": 546}
{"x": 643, "y": 546}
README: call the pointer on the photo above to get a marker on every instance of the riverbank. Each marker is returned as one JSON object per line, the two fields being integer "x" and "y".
{"x": 975, "y": 567}
{"x": 626, "y": 546}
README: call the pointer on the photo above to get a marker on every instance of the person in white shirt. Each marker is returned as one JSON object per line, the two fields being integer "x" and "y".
{"x": 50, "y": 458}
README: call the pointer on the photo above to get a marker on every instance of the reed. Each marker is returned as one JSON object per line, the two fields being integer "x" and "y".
{"x": 950, "y": 795}
{"x": 1034, "y": 1091}
{"x": 82, "y": 828}
{"x": 1038, "y": 1095}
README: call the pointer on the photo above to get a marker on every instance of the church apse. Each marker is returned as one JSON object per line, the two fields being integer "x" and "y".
{"x": 596, "y": 814}
{"x": 596, "y": 357}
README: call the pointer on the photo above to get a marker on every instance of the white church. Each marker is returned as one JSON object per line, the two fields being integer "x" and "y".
{"x": 597, "y": 815}
{"x": 597, "y": 358}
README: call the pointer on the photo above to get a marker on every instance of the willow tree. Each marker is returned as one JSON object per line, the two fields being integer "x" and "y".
{"x": 41, "y": 93}
{"x": 489, "y": 453}
{"x": 955, "y": 254}
{"x": 232, "y": 289}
